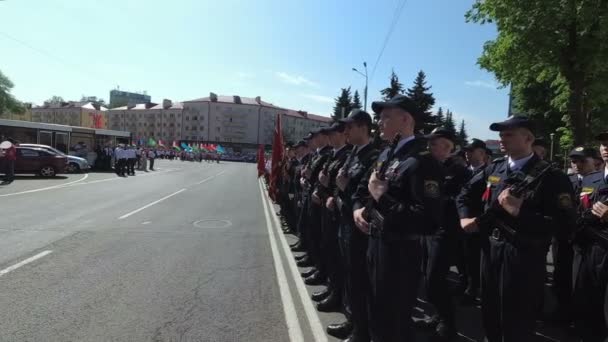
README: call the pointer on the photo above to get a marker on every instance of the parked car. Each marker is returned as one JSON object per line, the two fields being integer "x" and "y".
{"x": 75, "y": 164}
{"x": 39, "y": 161}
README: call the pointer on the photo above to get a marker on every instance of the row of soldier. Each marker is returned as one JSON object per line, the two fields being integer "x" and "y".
{"x": 376, "y": 223}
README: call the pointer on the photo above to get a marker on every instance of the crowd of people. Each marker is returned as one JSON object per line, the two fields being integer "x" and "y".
{"x": 125, "y": 158}
{"x": 378, "y": 223}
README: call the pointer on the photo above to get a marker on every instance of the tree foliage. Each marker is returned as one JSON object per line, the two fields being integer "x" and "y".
{"x": 561, "y": 44}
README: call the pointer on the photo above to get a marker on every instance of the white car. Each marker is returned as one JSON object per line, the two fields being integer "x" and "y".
{"x": 75, "y": 164}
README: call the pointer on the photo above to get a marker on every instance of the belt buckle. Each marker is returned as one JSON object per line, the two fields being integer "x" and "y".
{"x": 496, "y": 234}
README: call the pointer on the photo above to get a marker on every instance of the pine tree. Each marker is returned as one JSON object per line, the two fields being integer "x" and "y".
{"x": 449, "y": 122}
{"x": 463, "y": 137}
{"x": 343, "y": 104}
{"x": 395, "y": 87}
{"x": 439, "y": 118}
{"x": 424, "y": 100}
{"x": 356, "y": 101}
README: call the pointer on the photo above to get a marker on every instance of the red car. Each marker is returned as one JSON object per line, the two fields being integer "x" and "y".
{"x": 37, "y": 161}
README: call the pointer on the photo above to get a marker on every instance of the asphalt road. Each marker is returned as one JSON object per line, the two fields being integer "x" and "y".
{"x": 190, "y": 252}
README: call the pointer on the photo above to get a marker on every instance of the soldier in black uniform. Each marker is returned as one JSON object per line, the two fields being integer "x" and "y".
{"x": 476, "y": 153}
{"x": 396, "y": 204}
{"x": 441, "y": 247}
{"x": 582, "y": 161}
{"x": 313, "y": 226}
{"x": 330, "y": 248}
{"x": 353, "y": 242}
{"x": 302, "y": 157}
{"x": 303, "y": 232}
{"x": 590, "y": 265}
{"x": 540, "y": 148}
{"x": 515, "y": 239}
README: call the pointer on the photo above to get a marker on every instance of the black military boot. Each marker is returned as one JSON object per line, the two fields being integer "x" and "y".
{"x": 308, "y": 273}
{"x": 341, "y": 330}
{"x": 306, "y": 262}
{"x": 427, "y": 323}
{"x": 445, "y": 331}
{"x": 321, "y": 295}
{"x": 329, "y": 304}
{"x": 316, "y": 279}
{"x": 300, "y": 257}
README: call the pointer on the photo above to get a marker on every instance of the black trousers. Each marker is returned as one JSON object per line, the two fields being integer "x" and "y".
{"x": 563, "y": 255}
{"x": 590, "y": 275}
{"x": 313, "y": 227}
{"x": 120, "y": 166}
{"x": 440, "y": 251}
{"x": 511, "y": 280}
{"x": 303, "y": 221}
{"x": 330, "y": 249}
{"x": 472, "y": 260}
{"x": 353, "y": 248}
{"x": 131, "y": 166}
{"x": 151, "y": 163}
{"x": 394, "y": 271}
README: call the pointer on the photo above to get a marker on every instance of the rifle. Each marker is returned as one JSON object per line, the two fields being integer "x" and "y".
{"x": 343, "y": 169}
{"x": 520, "y": 185}
{"x": 591, "y": 229}
{"x": 370, "y": 214}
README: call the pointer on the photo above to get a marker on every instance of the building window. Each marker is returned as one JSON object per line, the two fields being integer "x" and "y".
{"x": 218, "y": 129}
{"x": 194, "y": 118}
{"x": 202, "y": 128}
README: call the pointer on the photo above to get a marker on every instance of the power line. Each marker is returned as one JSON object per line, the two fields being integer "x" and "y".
{"x": 85, "y": 71}
{"x": 396, "y": 16}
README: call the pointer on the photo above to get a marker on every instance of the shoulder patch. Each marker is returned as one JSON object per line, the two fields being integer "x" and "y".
{"x": 564, "y": 201}
{"x": 431, "y": 189}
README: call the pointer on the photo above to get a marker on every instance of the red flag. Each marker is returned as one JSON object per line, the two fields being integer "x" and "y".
{"x": 261, "y": 162}
{"x": 277, "y": 157}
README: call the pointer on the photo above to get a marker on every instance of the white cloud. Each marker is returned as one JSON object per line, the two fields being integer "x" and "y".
{"x": 318, "y": 98}
{"x": 482, "y": 84}
{"x": 295, "y": 79}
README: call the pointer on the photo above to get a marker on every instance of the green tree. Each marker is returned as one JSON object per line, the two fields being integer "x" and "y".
{"x": 356, "y": 101}
{"x": 449, "y": 122}
{"x": 424, "y": 100}
{"x": 439, "y": 118}
{"x": 343, "y": 104}
{"x": 463, "y": 137}
{"x": 55, "y": 100}
{"x": 8, "y": 103}
{"x": 561, "y": 42}
{"x": 393, "y": 89}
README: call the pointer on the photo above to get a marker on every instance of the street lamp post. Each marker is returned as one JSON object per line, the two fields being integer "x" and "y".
{"x": 364, "y": 90}
{"x": 551, "y": 135}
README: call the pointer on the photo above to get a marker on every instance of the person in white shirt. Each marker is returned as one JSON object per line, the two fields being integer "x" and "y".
{"x": 120, "y": 160}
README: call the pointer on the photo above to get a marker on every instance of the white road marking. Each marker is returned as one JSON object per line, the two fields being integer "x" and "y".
{"x": 147, "y": 222}
{"x": 291, "y": 318}
{"x": 210, "y": 178}
{"x": 86, "y": 175}
{"x": 318, "y": 331}
{"x": 24, "y": 262}
{"x": 149, "y": 205}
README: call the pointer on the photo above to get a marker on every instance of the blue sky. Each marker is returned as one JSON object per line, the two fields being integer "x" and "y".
{"x": 293, "y": 53}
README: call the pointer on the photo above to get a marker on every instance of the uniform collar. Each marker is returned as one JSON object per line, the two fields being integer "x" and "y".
{"x": 403, "y": 142}
{"x": 360, "y": 148}
{"x": 517, "y": 165}
{"x": 339, "y": 149}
